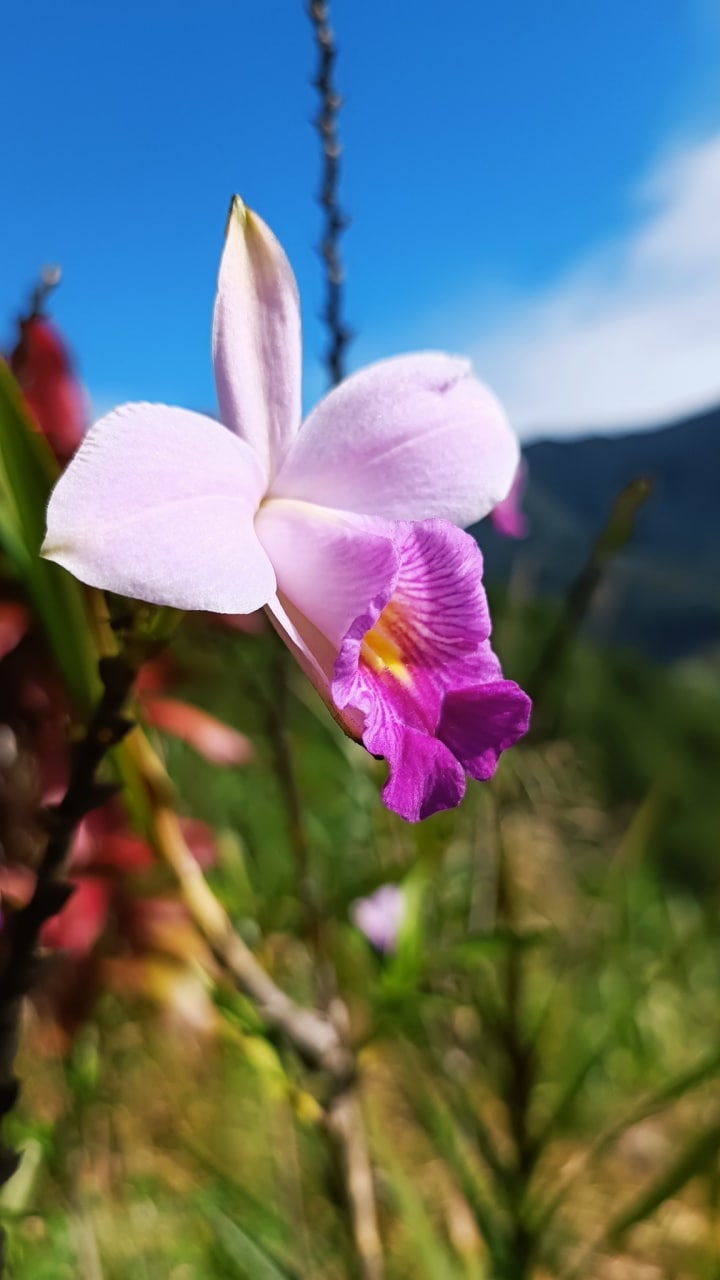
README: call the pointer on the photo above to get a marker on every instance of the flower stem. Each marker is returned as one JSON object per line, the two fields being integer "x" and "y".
{"x": 326, "y": 123}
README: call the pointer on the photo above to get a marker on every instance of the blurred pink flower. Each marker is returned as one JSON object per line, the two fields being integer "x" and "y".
{"x": 387, "y": 616}
{"x": 380, "y": 916}
{"x": 14, "y": 624}
{"x": 508, "y": 517}
{"x": 116, "y": 930}
{"x": 213, "y": 739}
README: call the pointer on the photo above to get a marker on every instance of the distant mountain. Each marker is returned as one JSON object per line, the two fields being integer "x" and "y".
{"x": 663, "y": 593}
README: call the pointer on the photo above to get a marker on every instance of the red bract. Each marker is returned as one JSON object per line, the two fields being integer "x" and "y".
{"x": 216, "y": 741}
{"x": 42, "y": 365}
{"x": 115, "y": 923}
{"x": 210, "y": 737}
{"x": 78, "y": 926}
{"x": 142, "y": 933}
{"x": 102, "y": 858}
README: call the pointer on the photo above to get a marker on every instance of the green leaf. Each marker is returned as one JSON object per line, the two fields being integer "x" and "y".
{"x": 406, "y": 964}
{"x": 246, "y": 1258}
{"x": 431, "y": 1257}
{"x": 566, "y": 1100}
{"x": 545, "y": 684}
{"x": 450, "y": 1142}
{"x": 706, "y": 1069}
{"x": 488, "y": 946}
{"x": 27, "y": 474}
{"x": 695, "y": 1158}
{"x": 469, "y": 1122}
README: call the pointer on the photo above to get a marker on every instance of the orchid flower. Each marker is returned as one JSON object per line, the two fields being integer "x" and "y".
{"x": 343, "y": 529}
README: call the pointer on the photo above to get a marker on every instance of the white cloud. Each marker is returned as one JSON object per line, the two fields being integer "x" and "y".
{"x": 631, "y": 336}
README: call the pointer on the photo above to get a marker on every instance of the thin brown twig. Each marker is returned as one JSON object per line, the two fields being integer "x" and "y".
{"x": 276, "y": 723}
{"x": 345, "y": 1122}
{"x": 310, "y": 1032}
{"x": 344, "y": 1114}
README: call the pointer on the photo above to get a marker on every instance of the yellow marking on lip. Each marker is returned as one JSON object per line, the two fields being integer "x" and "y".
{"x": 380, "y": 650}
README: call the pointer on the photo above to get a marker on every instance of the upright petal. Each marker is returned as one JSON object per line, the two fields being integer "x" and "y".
{"x": 409, "y": 438}
{"x": 256, "y": 339}
{"x": 159, "y": 504}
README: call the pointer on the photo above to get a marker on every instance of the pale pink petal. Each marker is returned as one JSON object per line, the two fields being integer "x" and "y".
{"x": 329, "y": 564}
{"x": 305, "y": 644}
{"x": 256, "y": 338}
{"x": 331, "y": 567}
{"x": 158, "y": 504}
{"x": 308, "y": 647}
{"x": 408, "y": 438}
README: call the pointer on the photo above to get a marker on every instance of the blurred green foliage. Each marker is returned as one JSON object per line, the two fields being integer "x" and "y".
{"x": 539, "y": 1058}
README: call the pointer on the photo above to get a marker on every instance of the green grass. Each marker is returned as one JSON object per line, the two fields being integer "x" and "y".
{"x": 556, "y": 982}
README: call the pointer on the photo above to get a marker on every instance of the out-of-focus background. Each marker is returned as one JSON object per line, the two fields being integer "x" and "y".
{"x": 536, "y": 1024}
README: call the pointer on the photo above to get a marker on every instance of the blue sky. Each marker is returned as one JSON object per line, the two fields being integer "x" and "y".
{"x": 532, "y": 184}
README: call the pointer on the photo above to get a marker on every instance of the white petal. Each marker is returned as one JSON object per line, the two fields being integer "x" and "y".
{"x": 409, "y": 438}
{"x": 256, "y": 339}
{"x": 158, "y": 504}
